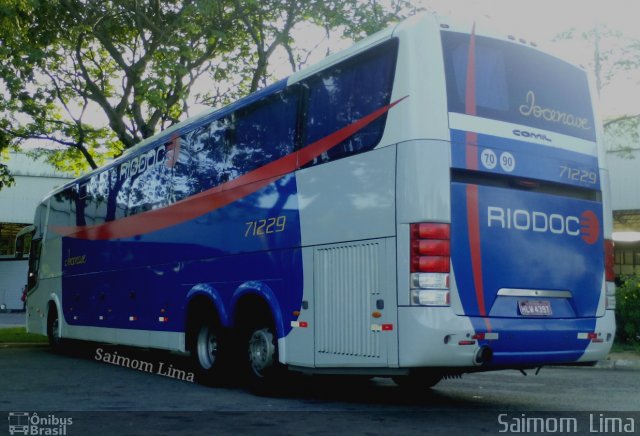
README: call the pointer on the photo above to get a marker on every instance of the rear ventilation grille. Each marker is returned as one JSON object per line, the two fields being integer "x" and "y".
{"x": 347, "y": 284}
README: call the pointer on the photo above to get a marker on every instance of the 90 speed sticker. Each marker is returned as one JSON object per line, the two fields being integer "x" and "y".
{"x": 490, "y": 160}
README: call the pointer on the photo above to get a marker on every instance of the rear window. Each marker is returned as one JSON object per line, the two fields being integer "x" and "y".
{"x": 518, "y": 84}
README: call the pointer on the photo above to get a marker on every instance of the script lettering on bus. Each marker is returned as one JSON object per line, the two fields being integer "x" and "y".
{"x": 265, "y": 226}
{"x": 75, "y": 260}
{"x": 142, "y": 163}
{"x": 531, "y": 109}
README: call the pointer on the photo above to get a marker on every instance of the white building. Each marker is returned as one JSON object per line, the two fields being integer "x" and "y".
{"x": 624, "y": 172}
{"x": 33, "y": 180}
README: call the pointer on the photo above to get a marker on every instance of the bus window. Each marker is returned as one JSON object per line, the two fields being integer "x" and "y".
{"x": 151, "y": 183}
{"x": 346, "y": 93}
{"x": 118, "y": 195}
{"x": 262, "y": 137}
{"x": 202, "y": 158}
{"x": 34, "y": 262}
{"x": 23, "y": 242}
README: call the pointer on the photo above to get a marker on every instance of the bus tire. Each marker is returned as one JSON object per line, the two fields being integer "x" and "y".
{"x": 206, "y": 350}
{"x": 264, "y": 371}
{"x": 56, "y": 343}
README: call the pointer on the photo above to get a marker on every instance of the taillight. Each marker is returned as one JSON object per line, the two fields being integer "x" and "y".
{"x": 430, "y": 247}
{"x": 609, "y": 261}
{"x": 430, "y": 264}
{"x": 610, "y": 274}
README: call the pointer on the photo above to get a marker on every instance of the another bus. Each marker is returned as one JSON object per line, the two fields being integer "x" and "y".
{"x": 13, "y": 266}
{"x": 430, "y": 202}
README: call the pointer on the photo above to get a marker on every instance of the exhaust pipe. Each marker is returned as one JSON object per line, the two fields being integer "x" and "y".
{"x": 483, "y": 355}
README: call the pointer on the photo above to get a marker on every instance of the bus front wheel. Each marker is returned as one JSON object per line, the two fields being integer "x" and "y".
{"x": 53, "y": 331}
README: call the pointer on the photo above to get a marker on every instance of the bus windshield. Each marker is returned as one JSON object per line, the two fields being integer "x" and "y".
{"x": 517, "y": 84}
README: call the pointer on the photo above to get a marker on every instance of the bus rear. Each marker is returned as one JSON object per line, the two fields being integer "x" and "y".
{"x": 510, "y": 264}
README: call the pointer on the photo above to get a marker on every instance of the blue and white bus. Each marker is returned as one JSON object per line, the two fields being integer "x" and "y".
{"x": 429, "y": 202}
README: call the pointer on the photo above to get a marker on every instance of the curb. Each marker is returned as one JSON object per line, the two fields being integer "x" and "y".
{"x": 621, "y": 364}
{"x": 23, "y": 344}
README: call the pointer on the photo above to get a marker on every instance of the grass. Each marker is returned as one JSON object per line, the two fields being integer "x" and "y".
{"x": 19, "y": 334}
{"x": 621, "y": 347}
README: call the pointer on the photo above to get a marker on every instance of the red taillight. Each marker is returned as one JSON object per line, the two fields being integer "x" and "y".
{"x": 430, "y": 231}
{"x": 439, "y": 264}
{"x": 609, "y": 261}
{"x": 433, "y": 247}
{"x": 430, "y": 247}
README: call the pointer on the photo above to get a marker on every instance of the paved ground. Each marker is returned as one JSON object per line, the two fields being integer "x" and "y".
{"x": 108, "y": 399}
{"x": 102, "y": 398}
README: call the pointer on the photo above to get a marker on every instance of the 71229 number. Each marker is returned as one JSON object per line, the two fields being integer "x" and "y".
{"x": 578, "y": 175}
{"x": 266, "y": 226}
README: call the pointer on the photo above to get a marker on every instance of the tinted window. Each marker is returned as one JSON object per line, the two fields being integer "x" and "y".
{"x": 118, "y": 197}
{"x": 59, "y": 210}
{"x": 231, "y": 146}
{"x": 202, "y": 158}
{"x": 347, "y": 92}
{"x": 79, "y": 201}
{"x": 263, "y": 132}
{"x": 97, "y": 193}
{"x": 150, "y": 181}
{"x": 518, "y": 84}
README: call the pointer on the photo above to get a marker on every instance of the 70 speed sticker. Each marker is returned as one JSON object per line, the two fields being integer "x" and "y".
{"x": 506, "y": 160}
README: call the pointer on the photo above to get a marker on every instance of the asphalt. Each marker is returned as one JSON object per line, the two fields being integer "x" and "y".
{"x": 627, "y": 360}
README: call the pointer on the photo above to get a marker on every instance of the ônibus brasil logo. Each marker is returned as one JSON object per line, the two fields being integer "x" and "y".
{"x": 587, "y": 225}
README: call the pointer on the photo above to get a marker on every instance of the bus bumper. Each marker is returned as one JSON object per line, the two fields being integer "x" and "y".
{"x": 436, "y": 337}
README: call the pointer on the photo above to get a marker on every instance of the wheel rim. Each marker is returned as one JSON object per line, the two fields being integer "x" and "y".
{"x": 261, "y": 351}
{"x": 207, "y": 347}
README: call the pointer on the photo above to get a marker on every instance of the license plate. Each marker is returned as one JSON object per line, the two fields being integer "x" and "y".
{"x": 534, "y": 308}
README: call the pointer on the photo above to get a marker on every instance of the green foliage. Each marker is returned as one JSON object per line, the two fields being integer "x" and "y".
{"x": 628, "y": 310}
{"x": 625, "y": 347}
{"x": 94, "y": 78}
{"x": 622, "y": 134}
{"x": 6, "y": 179}
{"x": 614, "y": 55}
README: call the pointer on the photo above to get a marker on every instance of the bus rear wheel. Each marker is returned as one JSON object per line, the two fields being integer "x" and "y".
{"x": 265, "y": 372}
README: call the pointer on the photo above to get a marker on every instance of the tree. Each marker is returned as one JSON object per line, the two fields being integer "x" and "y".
{"x": 614, "y": 54}
{"x": 97, "y": 77}
{"x": 133, "y": 62}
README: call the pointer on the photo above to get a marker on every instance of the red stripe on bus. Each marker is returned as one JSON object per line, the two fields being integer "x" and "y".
{"x": 470, "y": 102}
{"x": 219, "y": 196}
{"x": 473, "y": 220}
{"x": 473, "y": 210}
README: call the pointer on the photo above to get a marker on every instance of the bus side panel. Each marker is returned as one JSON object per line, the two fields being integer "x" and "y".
{"x": 347, "y": 216}
{"x": 348, "y": 199}
{"x": 423, "y": 180}
{"x": 145, "y": 279}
